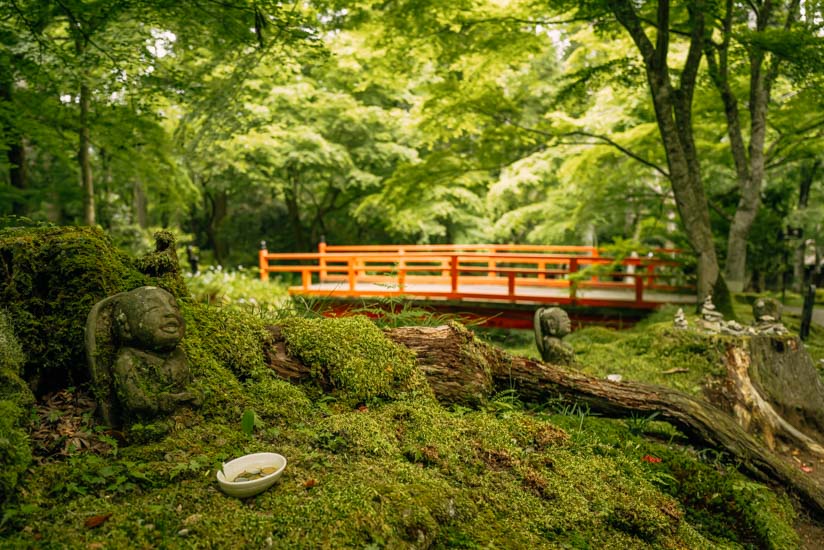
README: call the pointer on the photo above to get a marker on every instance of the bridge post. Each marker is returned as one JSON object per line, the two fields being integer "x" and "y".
{"x": 263, "y": 263}
{"x": 639, "y": 288}
{"x": 401, "y": 269}
{"x": 322, "y": 259}
{"x": 350, "y": 268}
{"x": 491, "y": 264}
{"x": 510, "y": 280}
{"x": 453, "y": 272}
{"x": 573, "y": 284}
{"x": 595, "y": 254}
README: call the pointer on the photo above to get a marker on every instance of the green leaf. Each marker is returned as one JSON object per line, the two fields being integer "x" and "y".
{"x": 248, "y": 421}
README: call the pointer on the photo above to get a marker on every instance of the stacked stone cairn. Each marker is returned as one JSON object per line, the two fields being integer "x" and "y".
{"x": 767, "y": 315}
{"x": 680, "y": 320}
{"x": 766, "y": 312}
{"x": 711, "y": 320}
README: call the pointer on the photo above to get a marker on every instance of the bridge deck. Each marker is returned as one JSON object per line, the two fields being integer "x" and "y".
{"x": 502, "y": 276}
{"x": 607, "y": 297}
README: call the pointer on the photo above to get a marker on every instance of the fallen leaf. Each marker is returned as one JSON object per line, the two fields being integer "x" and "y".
{"x": 651, "y": 459}
{"x": 806, "y": 469}
{"x": 97, "y": 521}
{"x": 309, "y": 483}
{"x": 363, "y": 408}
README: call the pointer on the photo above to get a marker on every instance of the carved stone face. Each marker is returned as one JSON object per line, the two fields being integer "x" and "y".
{"x": 556, "y": 322}
{"x": 148, "y": 318}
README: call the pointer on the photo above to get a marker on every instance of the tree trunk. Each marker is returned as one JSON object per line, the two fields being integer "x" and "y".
{"x": 219, "y": 208}
{"x": 808, "y": 171}
{"x": 84, "y": 155}
{"x": 750, "y": 161}
{"x": 463, "y": 370}
{"x": 16, "y": 152}
{"x": 293, "y": 208}
{"x": 139, "y": 203}
{"x": 673, "y": 112}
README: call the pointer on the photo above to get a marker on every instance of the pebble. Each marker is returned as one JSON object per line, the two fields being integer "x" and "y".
{"x": 183, "y": 533}
{"x": 614, "y": 377}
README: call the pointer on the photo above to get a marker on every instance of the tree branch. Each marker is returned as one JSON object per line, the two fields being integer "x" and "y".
{"x": 624, "y": 150}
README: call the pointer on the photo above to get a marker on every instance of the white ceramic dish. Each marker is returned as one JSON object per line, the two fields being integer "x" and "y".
{"x": 243, "y": 489}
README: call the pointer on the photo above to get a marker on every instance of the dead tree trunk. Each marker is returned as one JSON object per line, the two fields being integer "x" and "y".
{"x": 460, "y": 369}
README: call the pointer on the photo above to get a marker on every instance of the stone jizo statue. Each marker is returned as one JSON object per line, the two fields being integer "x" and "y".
{"x": 143, "y": 374}
{"x": 551, "y": 324}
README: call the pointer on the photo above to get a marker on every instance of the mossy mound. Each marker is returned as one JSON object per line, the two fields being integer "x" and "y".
{"x": 50, "y": 277}
{"x": 353, "y": 356}
{"x": 654, "y": 352}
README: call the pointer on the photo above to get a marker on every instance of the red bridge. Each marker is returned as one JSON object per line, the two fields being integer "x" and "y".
{"x": 502, "y": 283}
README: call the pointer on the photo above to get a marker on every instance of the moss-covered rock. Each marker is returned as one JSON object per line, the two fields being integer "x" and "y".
{"x": 49, "y": 280}
{"x": 352, "y": 355}
{"x": 50, "y": 277}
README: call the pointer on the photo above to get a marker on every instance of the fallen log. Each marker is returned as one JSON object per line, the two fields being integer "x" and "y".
{"x": 461, "y": 369}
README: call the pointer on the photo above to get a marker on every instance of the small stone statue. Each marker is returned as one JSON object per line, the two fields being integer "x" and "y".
{"x": 551, "y": 325}
{"x": 148, "y": 375}
{"x": 710, "y": 318}
{"x": 680, "y": 320}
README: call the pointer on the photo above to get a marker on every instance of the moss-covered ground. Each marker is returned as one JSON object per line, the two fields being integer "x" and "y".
{"x": 374, "y": 460}
{"x": 395, "y": 470}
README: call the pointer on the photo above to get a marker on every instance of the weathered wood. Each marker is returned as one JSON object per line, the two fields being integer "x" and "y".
{"x": 463, "y": 370}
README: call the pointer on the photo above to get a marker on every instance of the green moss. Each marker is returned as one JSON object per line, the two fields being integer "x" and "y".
{"x": 15, "y": 399}
{"x": 49, "y": 280}
{"x": 403, "y": 474}
{"x": 15, "y": 451}
{"x": 353, "y": 356}
{"x": 163, "y": 265}
{"x": 654, "y": 352}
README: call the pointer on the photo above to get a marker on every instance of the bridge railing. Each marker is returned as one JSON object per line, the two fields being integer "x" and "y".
{"x": 442, "y": 272}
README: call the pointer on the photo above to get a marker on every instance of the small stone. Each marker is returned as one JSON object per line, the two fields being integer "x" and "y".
{"x": 240, "y": 479}
{"x": 614, "y": 377}
{"x": 183, "y": 533}
{"x": 194, "y": 518}
{"x": 253, "y": 471}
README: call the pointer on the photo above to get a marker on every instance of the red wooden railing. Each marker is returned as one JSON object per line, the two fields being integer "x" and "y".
{"x": 513, "y": 273}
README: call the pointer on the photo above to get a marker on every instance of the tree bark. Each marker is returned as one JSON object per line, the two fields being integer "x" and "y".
{"x": 749, "y": 161}
{"x": 218, "y": 209}
{"x": 140, "y": 204}
{"x": 16, "y": 152}
{"x": 673, "y": 112}
{"x": 84, "y": 155}
{"x": 461, "y": 369}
